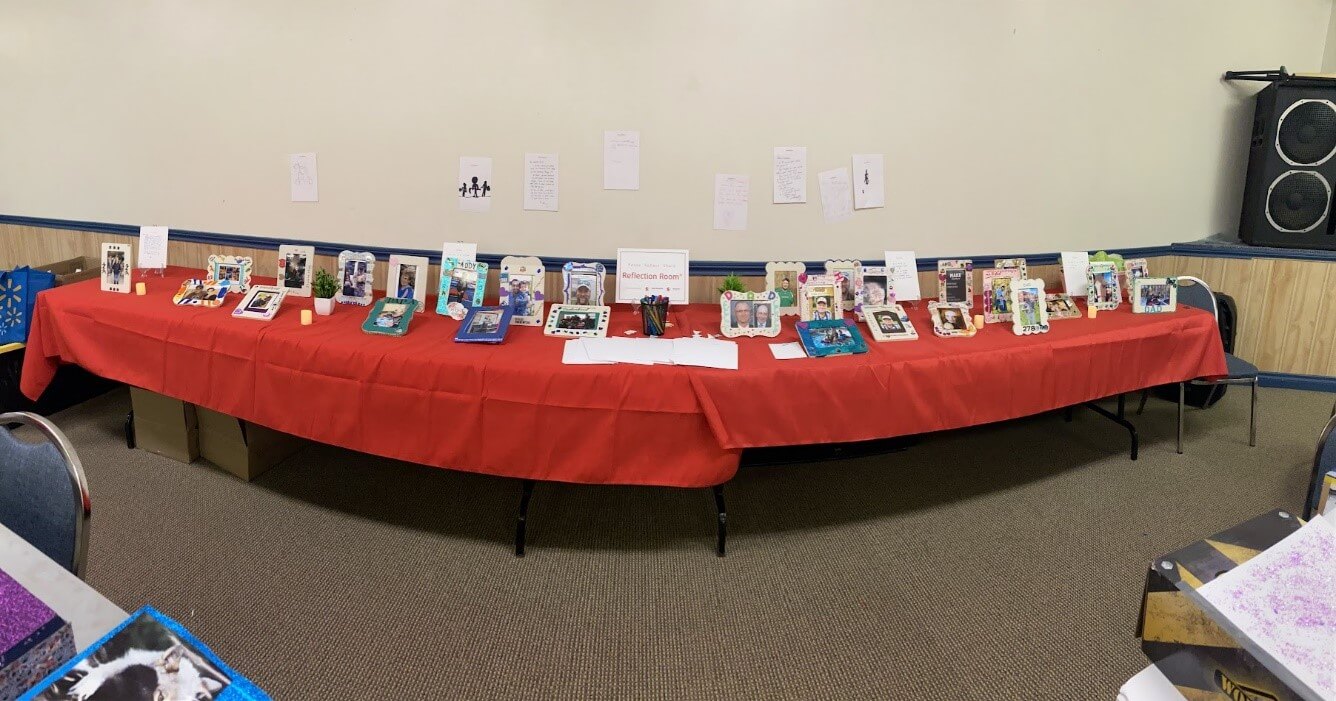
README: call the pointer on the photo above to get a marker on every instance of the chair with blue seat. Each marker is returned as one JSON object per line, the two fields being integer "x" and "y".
{"x": 43, "y": 492}
{"x": 1323, "y": 462}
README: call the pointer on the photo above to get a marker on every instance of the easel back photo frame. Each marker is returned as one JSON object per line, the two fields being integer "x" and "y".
{"x": 872, "y": 288}
{"x": 356, "y": 277}
{"x": 1029, "y": 308}
{"x": 819, "y": 297}
{"x": 1154, "y": 295}
{"x": 583, "y": 284}
{"x": 462, "y": 286}
{"x": 848, "y": 270}
{"x": 955, "y": 282}
{"x": 1103, "y": 291}
{"x": 997, "y": 284}
{"x": 951, "y": 319}
{"x": 578, "y": 320}
{"x": 407, "y": 278}
{"x": 521, "y": 279}
{"x": 116, "y": 268}
{"x": 296, "y": 266}
{"x": 233, "y": 270}
{"x": 889, "y": 323}
{"x": 784, "y": 277}
{"x": 749, "y": 313}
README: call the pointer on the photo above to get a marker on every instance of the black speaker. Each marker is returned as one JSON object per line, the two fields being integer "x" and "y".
{"x": 1287, "y": 201}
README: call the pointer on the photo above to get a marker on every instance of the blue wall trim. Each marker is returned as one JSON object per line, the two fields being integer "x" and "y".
{"x": 1285, "y": 380}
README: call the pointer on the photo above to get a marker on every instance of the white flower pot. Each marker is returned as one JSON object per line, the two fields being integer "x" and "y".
{"x": 324, "y": 306}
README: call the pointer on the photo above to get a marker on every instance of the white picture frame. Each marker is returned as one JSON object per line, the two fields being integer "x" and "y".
{"x": 234, "y": 270}
{"x": 872, "y": 288}
{"x": 848, "y": 269}
{"x": 740, "y": 314}
{"x": 1154, "y": 295}
{"x": 583, "y": 284}
{"x": 889, "y": 323}
{"x": 812, "y": 289}
{"x": 416, "y": 286}
{"x": 577, "y": 320}
{"x": 521, "y": 281}
{"x": 116, "y": 270}
{"x": 1029, "y": 307}
{"x": 1012, "y": 264}
{"x": 260, "y": 302}
{"x": 1134, "y": 268}
{"x": 1103, "y": 291}
{"x": 783, "y": 278}
{"x": 296, "y": 267}
{"x": 951, "y": 319}
{"x": 955, "y": 282}
{"x": 997, "y": 284}
{"x": 357, "y": 278}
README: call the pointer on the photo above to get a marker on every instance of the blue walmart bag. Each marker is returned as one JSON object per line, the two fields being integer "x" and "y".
{"x": 18, "y": 294}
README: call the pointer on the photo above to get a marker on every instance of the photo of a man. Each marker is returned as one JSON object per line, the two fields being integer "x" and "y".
{"x": 822, "y": 309}
{"x": 742, "y": 314}
{"x": 520, "y": 297}
{"x": 889, "y": 322}
{"x": 787, "y": 296}
{"x": 761, "y": 314}
{"x": 485, "y": 322}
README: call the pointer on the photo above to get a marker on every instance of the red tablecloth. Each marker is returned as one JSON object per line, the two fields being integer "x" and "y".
{"x": 515, "y": 410}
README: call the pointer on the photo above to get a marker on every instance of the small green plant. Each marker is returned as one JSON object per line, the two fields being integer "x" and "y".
{"x": 1115, "y": 258}
{"x": 732, "y": 283}
{"x": 324, "y": 285}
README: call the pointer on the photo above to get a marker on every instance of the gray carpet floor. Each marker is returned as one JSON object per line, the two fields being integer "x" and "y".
{"x": 1004, "y": 561}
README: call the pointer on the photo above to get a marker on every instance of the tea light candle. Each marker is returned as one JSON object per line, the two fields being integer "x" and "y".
{"x": 978, "y": 321}
{"x": 306, "y": 317}
{"x": 1091, "y": 311}
{"x": 141, "y": 289}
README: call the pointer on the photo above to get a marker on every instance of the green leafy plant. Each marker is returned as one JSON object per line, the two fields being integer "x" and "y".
{"x": 324, "y": 286}
{"x": 1114, "y": 258}
{"x": 732, "y": 283}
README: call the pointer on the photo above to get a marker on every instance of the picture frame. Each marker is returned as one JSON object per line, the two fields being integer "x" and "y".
{"x": 234, "y": 270}
{"x": 1154, "y": 295}
{"x": 390, "y": 316}
{"x": 872, "y": 287}
{"x": 783, "y": 277}
{"x": 749, "y": 313}
{"x": 116, "y": 268}
{"x": 296, "y": 267}
{"x": 848, "y": 269}
{"x": 1012, "y": 264}
{"x": 951, "y": 319}
{"x": 1029, "y": 308}
{"x": 407, "y": 278}
{"x": 357, "y": 275}
{"x": 1134, "y": 268}
{"x": 1102, "y": 289}
{"x": 522, "y": 288}
{"x": 997, "y": 284}
{"x": 829, "y": 337}
{"x": 583, "y": 284}
{"x": 816, "y": 290}
{"x": 196, "y": 292}
{"x": 889, "y": 323}
{"x": 578, "y": 320}
{"x": 955, "y": 282}
{"x": 462, "y": 286}
{"x": 1061, "y": 305}
{"x": 485, "y": 324}
{"x": 260, "y": 302}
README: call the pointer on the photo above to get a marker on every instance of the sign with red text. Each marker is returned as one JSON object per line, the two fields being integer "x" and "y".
{"x": 647, "y": 272}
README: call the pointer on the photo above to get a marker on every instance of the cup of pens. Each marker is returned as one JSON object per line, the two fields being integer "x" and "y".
{"x": 654, "y": 314}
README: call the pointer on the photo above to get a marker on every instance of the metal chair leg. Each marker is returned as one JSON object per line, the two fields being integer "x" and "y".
{"x": 1145, "y": 394}
{"x": 723, "y": 519}
{"x": 1181, "y": 391}
{"x": 1252, "y": 421}
{"x": 522, "y": 520}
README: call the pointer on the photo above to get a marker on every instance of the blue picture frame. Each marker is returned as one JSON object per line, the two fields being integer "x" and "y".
{"x": 831, "y": 337}
{"x": 485, "y": 324}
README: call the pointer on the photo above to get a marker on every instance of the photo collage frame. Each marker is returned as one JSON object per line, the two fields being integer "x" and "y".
{"x": 233, "y": 270}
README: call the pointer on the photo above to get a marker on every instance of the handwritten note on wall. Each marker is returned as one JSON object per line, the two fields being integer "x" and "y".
{"x": 302, "y": 181}
{"x": 731, "y": 193}
{"x": 836, "y": 197}
{"x": 621, "y": 160}
{"x": 790, "y": 166}
{"x": 540, "y": 182}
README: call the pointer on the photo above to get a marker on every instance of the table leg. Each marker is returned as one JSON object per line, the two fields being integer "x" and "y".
{"x": 130, "y": 430}
{"x": 1122, "y": 406}
{"x": 1118, "y": 419}
{"x": 526, "y": 491}
{"x": 723, "y": 518}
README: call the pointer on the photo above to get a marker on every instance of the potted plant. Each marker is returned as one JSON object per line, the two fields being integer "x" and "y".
{"x": 732, "y": 283}
{"x": 324, "y": 286}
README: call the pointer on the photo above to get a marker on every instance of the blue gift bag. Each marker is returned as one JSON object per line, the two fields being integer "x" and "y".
{"x": 18, "y": 294}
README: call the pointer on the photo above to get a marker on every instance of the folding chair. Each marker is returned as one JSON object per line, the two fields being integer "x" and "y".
{"x": 44, "y": 494}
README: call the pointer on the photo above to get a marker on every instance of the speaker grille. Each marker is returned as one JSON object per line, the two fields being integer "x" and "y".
{"x": 1297, "y": 201}
{"x": 1307, "y": 132}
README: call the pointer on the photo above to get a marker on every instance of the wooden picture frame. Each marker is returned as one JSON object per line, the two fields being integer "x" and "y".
{"x": 872, "y": 288}
{"x": 296, "y": 267}
{"x": 749, "y": 314}
{"x": 1012, "y": 264}
{"x": 1154, "y": 295}
{"x": 357, "y": 276}
{"x": 461, "y": 287}
{"x": 411, "y": 286}
{"x": 578, "y": 320}
{"x": 522, "y": 288}
{"x": 830, "y": 337}
{"x": 485, "y": 325}
{"x": 1061, "y": 305}
{"x": 582, "y": 284}
{"x": 390, "y": 316}
{"x": 997, "y": 284}
{"x": 889, "y": 323}
{"x": 234, "y": 270}
{"x": 1029, "y": 309}
{"x": 955, "y": 282}
{"x": 783, "y": 277}
{"x": 260, "y": 302}
{"x": 200, "y": 293}
{"x": 848, "y": 270}
{"x": 812, "y": 289}
{"x": 951, "y": 319}
{"x": 116, "y": 270}
{"x": 1102, "y": 289}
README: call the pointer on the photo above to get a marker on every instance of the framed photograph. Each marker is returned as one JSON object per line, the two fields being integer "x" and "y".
{"x": 200, "y": 293}
{"x": 582, "y": 283}
{"x": 260, "y": 302}
{"x": 997, "y": 285}
{"x": 1029, "y": 308}
{"x": 1060, "y": 305}
{"x": 951, "y": 319}
{"x": 889, "y": 323}
{"x": 356, "y": 273}
{"x": 749, "y": 313}
{"x": 831, "y": 337}
{"x": 485, "y": 325}
{"x": 577, "y": 320}
{"x": 819, "y": 297}
{"x": 522, "y": 289}
{"x": 462, "y": 286}
{"x": 234, "y": 270}
{"x": 848, "y": 270}
{"x": 1012, "y": 264}
{"x": 296, "y": 265}
{"x": 1154, "y": 295}
{"x": 955, "y": 282}
{"x": 390, "y": 316}
{"x": 1134, "y": 268}
{"x": 116, "y": 267}
{"x": 872, "y": 288}
{"x": 1102, "y": 289}
{"x": 783, "y": 277}
{"x": 408, "y": 278}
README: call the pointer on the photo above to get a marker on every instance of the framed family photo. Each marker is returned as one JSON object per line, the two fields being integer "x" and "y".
{"x": 872, "y": 288}
{"x": 831, "y": 337}
{"x": 1134, "y": 268}
{"x": 955, "y": 282}
{"x": 260, "y": 302}
{"x": 848, "y": 272}
{"x": 1154, "y": 295}
{"x": 233, "y": 270}
{"x": 390, "y": 316}
{"x": 462, "y": 286}
{"x": 997, "y": 284}
{"x": 819, "y": 297}
{"x": 1102, "y": 289}
{"x": 577, "y": 320}
{"x": 1029, "y": 308}
{"x": 356, "y": 273}
{"x": 485, "y": 325}
{"x": 582, "y": 283}
{"x": 1060, "y": 305}
{"x": 1017, "y": 264}
{"x": 522, "y": 289}
{"x": 408, "y": 278}
{"x": 951, "y": 319}
{"x": 749, "y": 313}
{"x": 783, "y": 278}
{"x": 296, "y": 266}
{"x": 116, "y": 267}
{"x": 889, "y": 323}
{"x": 200, "y": 293}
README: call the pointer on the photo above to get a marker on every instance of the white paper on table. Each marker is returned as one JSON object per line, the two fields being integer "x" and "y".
{"x": 731, "y": 193}
{"x": 1075, "y": 268}
{"x": 152, "y": 247}
{"x": 303, "y": 183}
{"x": 573, "y": 353}
{"x": 1284, "y": 600}
{"x": 902, "y": 270}
{"x": 869, "y": 181}
{"x": 460, "y": 251}
{"x": 790, "y": 174}
{"x": 787, "y": 351}
{"x": 540, "y": 182}
{"x": 836, "y": 198}
{"x": 621, "y": 160}
{"x": 475, "y": 184}
{"x": 637, "y": 351}
{"x": 705, "y": 353}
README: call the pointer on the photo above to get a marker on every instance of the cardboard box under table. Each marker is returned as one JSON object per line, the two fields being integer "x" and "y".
{"x": 240, "y": 447}
{"x": 165, "y": 426}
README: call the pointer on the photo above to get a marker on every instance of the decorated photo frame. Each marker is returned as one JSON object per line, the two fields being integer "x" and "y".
{"x": 234, "y": 270}
{"x": 818, "y": 297}
{"x": 1018, "y": 264}
{"x": 390, "y": 316}
{"x": 848, "y": 270}
{"x": 485, "y": 325}
{"x": 831, "y": 337}
{"x": 200, "y": 293}
{"x": 356, "y": 277}
{"x": 407, "y": 278}
{"x": 260, "y": 302}
{"x": 522, "y": 288}
{"x": 116, "y": 269}
{"x": 749, "y": 313}
{"x": 1029, "y": 309}
{"x": 1061, "y": 305}
{"x": 1134, "y": 268}
{"x": 889, "y": 323}
{"x": 997, "y": 284}
{"x": 296, "y": 266}
{"x": 951, "y": 319}
{"x": 1102, "y": 289}
{"x": 582, "y": 284}
{"x": 1154, "y": 295}
{"x": 783, "y": 277}
{"x": 462, "y": 286}
{"x": 578, "y": 320}
{"x": 955, "y": 282}
{"x": 872, "y": 288}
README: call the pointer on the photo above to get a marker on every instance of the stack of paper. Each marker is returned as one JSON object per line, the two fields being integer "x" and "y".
{"x": 700, "y": 352}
